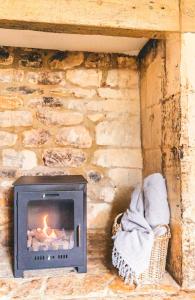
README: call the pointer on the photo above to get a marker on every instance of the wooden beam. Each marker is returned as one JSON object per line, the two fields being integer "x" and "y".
{"x": 187, "y": 15}
{"x": 108, "y": 17}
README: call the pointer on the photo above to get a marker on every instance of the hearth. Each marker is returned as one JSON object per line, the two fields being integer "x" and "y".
{"x": 49, "y": 223}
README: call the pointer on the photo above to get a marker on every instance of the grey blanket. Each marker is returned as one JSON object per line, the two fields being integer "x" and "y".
{"x": 133, "y": 243}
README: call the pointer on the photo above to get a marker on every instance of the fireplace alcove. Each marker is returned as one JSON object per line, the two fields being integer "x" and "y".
{"x": 134, "y": 132}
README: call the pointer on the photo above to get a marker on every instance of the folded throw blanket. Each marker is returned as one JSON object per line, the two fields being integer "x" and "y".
{"x": 133, "y": 243}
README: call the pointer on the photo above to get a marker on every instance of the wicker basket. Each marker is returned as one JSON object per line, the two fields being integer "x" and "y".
{"x": 156, "y": 268}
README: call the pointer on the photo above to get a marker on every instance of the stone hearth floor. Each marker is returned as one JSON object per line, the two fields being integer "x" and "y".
{"x": 101, "y": 281}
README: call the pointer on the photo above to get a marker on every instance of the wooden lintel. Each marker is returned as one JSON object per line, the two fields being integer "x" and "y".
{"x": 108, "y": 17}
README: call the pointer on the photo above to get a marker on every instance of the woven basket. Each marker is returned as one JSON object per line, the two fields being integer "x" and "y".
{"x": 157, "y": 264}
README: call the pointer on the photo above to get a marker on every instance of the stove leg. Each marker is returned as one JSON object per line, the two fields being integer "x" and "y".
{"x": 18, "y": 273}
{"x": 82, "y": 269}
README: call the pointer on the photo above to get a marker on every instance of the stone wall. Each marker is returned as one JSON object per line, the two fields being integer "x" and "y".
{"x": 70, "y": 113}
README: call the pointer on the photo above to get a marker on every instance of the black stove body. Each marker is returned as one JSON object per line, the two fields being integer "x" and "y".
{"x": 49, "y": 223}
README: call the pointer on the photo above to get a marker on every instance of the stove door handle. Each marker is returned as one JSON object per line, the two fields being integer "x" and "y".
{"x": 48, "y": 195}
{"x": 78, "y": 235}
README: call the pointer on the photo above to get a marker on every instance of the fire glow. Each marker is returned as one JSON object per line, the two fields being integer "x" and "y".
{"x": 46, "y": 229}
{"x": 47, "y": 238}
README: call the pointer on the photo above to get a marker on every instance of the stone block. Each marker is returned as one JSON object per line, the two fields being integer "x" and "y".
{"x": 118, "y": 158}
{"x": 64, "y": 157}
{"x": 82, "y": 92}
{"x": 24, "y": 159}
{"x": 6, "y": 57}
{"x": 124, "y": 133}
{"x": 46, "y": 102}
{"x": 94, "y": 176}
{"x": 77, "y": 136}
{"x": 113, "y": 106}
{"x": 95, "y": 117}
{"x": 103, "y": 190}
{"x": 122, "y": 78}
{"x": 110, "y": 93}
{"x": 44, "y": 171}
{"x": 125, "y": 61}
{"x": 58, "y": 117}
{"x": 35, "y": 137}
{"x": 11, "y": 75}
{"x": 99, "y": 60}
{"x": 8, "y": 172}
{"x": 10, "y": 102}
{"x": 45, "y": 78}
{"x": 31, "y": 59}
{"x": 11, "y": 118}
{"x": 84, "y": 78}
{"x": 125, "y": 177}
{"x": 23, "y": 90}
{"x": 7, "y": 138}
{"x": 99, "y": 215}
{"x": 64, "y": 60}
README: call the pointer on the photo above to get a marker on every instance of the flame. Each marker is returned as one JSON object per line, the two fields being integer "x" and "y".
{"x": 46, "y": 227}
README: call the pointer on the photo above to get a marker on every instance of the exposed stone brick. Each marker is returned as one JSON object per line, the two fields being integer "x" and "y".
{"x": 84, "y": 77}
{"x": 109, "y": 93}
{"x": 46, "y": 102}
{"x": 103, "y": 190}
{"x": 122, "y": 78}
{"x": 10, "y": 102}
{"x": 95, "y": 117}
{"x": 125, "y": 177}
{"x": 24, "y": 159}
{"x": 66, "y": 157}
{"x": 77, "y": 136}
{"x": 11, "y": 75}
{"x": 65, "y": 60}
{"x": 35, "y": 137}
{"x": 44, "y": 77}
{"x": 11, "y": 118}
{"x": 94, "y": 176}
{"x": 122, "y": 133}
{"x": 6, "y": 57}
{"x": 58, "y": 117}
{"x": 98, "y": 60}
{"x": 125, "y": 61}
{"x": 32, "y": 59}
{"x": 83, "y": 93}
{"x": 118, "y": 158}
{"x": 24, "y": 90}
{"x": 103, "y": 106}
{"x": 7, "y": 139}
{"x": 44, "y": 171}
{"x": 99, "y": 215}
{"x": 8, "y": 172}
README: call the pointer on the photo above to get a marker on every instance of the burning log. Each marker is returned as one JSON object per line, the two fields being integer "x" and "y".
{"x": 46, "y": 238}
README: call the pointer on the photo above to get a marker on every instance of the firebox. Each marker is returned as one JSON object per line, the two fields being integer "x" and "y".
{"x": 49, "y": 223}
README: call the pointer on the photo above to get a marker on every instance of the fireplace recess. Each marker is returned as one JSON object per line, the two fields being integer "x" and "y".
{"x": 49, "y": 223}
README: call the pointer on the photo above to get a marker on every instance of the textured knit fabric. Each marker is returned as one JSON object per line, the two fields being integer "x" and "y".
{"x": 133, "y": 243}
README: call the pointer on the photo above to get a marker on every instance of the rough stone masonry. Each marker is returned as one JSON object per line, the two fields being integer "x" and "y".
{"x": 70, "y": 113}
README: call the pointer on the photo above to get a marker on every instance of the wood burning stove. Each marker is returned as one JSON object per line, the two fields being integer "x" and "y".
{"x": 49, "y": 223}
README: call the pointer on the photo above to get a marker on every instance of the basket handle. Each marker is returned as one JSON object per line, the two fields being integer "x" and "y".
{"x": 167, "y": 228}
